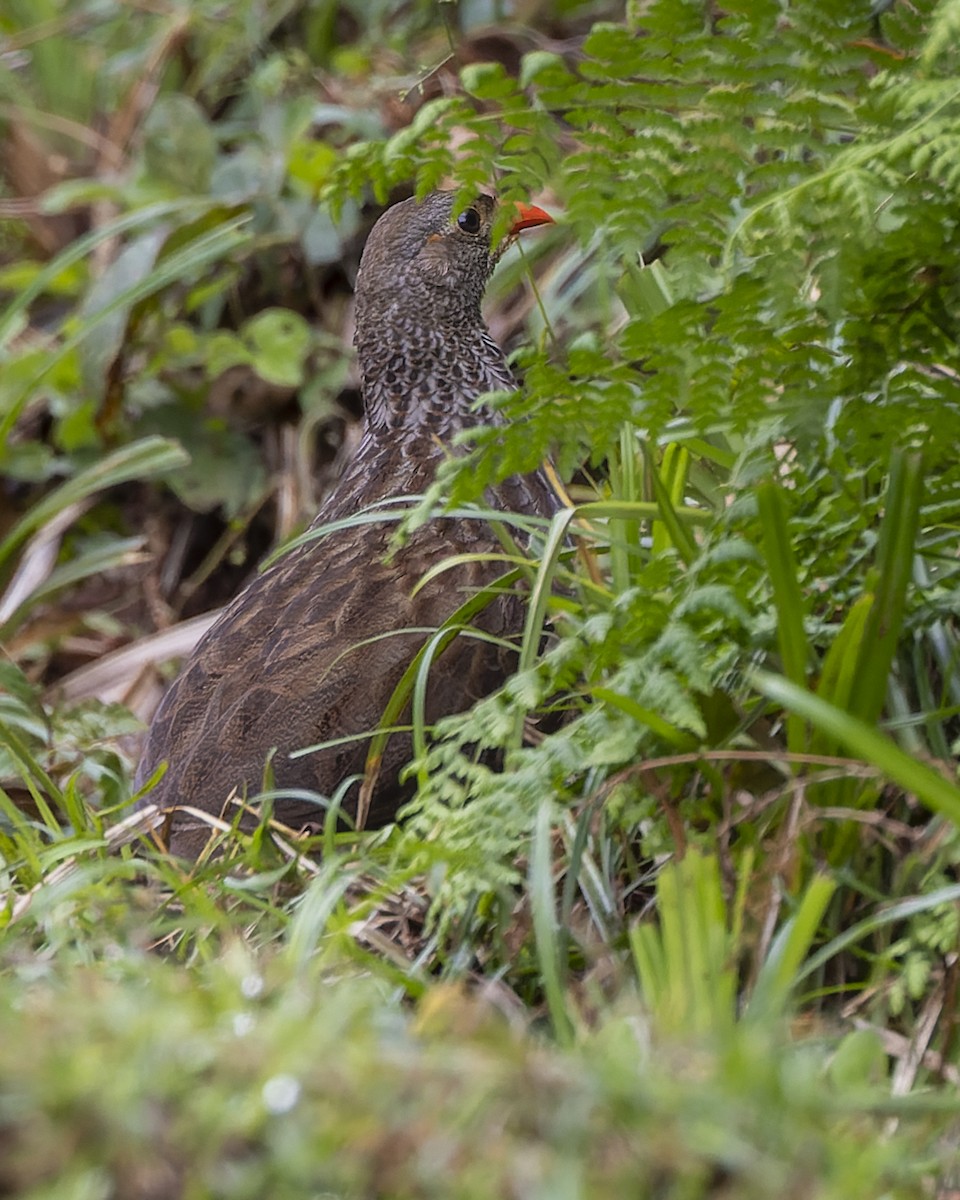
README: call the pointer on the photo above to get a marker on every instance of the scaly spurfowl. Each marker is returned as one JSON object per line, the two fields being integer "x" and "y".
{"x": 299, "y": 657}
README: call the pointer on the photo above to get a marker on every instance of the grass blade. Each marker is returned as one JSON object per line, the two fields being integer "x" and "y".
{"x": 868, "y": 744}
{"x": 787, "y": 598}
{"x": 545, "y": 925}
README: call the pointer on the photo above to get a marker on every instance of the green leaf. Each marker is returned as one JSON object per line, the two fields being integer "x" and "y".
{"x": 98, "y": 350}
{"x": 866, "y": 743}
{"x": 546, "y": 926}
{"x": 278, "y": 341}
{"x": 223, "y": 468}
{"x": 179, "y": 145}
{"x": 895, "y": 554}
{"x": 684, "y": 966}
{"x": 140, "y": 460}
{"x": 780, "y": 972}
{"x": 782, "y": 567}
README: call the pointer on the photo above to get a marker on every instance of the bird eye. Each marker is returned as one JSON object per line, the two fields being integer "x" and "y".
{"x": 469, "y": 220}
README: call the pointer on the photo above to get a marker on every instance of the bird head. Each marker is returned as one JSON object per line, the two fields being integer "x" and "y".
{"x": 429, "y": 257}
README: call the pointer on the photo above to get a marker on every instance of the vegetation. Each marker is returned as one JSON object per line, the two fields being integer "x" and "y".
{"x": 699, "y": 935}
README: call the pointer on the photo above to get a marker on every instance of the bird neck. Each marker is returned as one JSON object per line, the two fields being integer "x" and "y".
{"x": 420, "y": 388}
{"x": 426, "y": 381}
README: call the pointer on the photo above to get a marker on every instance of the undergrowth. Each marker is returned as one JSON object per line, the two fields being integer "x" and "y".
{"x": 715, "y": 865}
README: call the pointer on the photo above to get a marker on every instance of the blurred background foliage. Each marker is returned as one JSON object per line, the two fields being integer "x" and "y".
{"x": 738, "y": 802}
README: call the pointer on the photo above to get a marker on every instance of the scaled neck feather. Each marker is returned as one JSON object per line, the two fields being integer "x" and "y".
{"x": 419, "y": 380}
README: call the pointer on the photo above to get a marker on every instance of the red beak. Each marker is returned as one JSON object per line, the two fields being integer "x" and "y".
{"x": 528, "y": 215}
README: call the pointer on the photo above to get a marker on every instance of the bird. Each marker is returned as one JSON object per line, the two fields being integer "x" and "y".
{"x": 311, "y": 650}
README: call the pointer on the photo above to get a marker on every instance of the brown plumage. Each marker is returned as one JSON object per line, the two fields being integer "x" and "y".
{"x": 298, "y": 657}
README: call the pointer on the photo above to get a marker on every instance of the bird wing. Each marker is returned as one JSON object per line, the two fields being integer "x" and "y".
{"x": 313, "y": 650}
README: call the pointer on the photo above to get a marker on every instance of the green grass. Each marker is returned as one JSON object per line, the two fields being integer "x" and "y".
{"x": 697, "y": 934}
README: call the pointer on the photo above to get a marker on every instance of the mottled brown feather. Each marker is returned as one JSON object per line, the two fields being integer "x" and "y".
{"x": 292, "y": 661}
